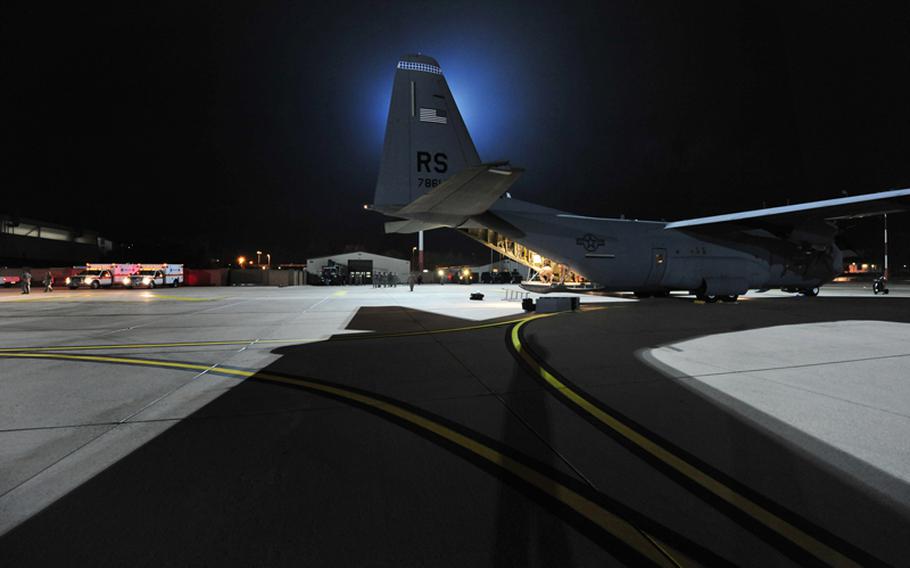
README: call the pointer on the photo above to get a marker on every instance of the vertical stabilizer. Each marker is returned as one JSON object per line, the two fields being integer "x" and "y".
{"x": 426, "y": 141}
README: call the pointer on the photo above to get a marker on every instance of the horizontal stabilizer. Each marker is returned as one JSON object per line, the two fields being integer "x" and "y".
{"x": 407, "y": 226}
{"x": 802, "y": 214}
{"x": 469, "y": 192}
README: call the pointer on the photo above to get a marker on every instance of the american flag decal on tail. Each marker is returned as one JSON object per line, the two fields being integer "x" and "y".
{"x": 433, "y": 115}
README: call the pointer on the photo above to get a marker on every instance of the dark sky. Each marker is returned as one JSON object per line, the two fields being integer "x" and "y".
{"x": 251, "y": 125}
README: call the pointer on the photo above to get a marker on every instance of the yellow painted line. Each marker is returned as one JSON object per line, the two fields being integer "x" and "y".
{"x": 340, "y": 293}
{"x": 180, "y": 298}
{"x": 438, "y": 331}
{"x": 250, "y": 342}
{"x": 129, "y": 361}
{"x": 97, "y": 296}
{"x": 780, "y": 526}
{"x": 44, "y": 298}
{"x": 606, "y": 520}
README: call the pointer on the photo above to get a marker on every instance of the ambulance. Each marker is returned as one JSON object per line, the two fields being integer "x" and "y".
{"x": 153, "y": 276}
{"x": 96, "y": 276}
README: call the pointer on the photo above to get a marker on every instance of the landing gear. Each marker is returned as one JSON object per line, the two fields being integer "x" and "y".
{"x": 809, "y": 292}
{"x": 730, "y": 298}
{"x": 641, "y": 295}
{"x": 708, "y": 298}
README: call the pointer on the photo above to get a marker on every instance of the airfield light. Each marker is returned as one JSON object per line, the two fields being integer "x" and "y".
{"x": 440, "y": 273}
{"x": 241, "y": 260}
{"x": 466, "y": 272}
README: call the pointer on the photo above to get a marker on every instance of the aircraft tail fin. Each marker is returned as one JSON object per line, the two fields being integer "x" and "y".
{"x": 426, "y": 140}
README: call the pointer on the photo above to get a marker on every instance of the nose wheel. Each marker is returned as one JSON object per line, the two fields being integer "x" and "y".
{"x": 809, "y": 292}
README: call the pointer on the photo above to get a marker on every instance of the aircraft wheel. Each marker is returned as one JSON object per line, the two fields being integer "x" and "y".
{"x": 707, "y": 298}
{"x": 730, "y": 297}
{"x": 641, "y": 294}
{"x": 809, "y": 292}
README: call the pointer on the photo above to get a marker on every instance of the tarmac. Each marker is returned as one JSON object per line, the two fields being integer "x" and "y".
{"x": 380, "y": 427}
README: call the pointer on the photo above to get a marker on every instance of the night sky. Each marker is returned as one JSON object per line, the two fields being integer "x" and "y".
{"x": 228, "y": 127}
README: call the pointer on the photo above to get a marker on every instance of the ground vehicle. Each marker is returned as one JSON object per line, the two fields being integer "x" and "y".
{"x": 880, "y": 286}
{"x": 154, "y": 275}
{"x": 94, "y": 275}
{"x": 9, "y": 281}
{"x": 334, "y": 274}
{"x": 92, "y": 278}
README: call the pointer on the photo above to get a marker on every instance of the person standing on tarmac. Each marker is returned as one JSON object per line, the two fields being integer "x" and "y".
{"x": 26, "y": 282}
{"x": 411, "y": 281}
{"x": 48, "y": 282}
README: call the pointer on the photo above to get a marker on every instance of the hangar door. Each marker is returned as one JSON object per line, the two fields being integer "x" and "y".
{"x": 360, "y": 271}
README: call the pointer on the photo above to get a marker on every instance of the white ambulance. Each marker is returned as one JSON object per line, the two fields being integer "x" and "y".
{"x": 154, "y": 275}
{"x": 96, "y": 276}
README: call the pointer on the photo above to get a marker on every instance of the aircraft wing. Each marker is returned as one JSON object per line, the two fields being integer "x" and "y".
{"x": 788, "y": 218}
{"x": 469, "y": 192}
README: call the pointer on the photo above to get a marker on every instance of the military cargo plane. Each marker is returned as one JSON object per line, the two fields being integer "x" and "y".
{"x": 432, "y": 177}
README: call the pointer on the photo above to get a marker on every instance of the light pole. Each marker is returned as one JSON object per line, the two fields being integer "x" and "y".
{"x": 258, "y": 257}
{"x": 420, "y": 251}
{"x": 268, "y": 257}
{"x": 885, "y": 271}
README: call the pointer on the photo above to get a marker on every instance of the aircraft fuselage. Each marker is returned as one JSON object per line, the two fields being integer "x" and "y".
{"x": 624, "y": 254}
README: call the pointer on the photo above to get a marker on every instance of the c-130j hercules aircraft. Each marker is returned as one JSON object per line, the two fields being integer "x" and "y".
{"x": 432, "y": 177}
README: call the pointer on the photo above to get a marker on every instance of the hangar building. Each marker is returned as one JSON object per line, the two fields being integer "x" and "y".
{"x": 360, "y": 265}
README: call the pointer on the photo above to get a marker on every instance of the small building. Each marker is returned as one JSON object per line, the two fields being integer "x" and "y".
{"x": 358, "y": 267}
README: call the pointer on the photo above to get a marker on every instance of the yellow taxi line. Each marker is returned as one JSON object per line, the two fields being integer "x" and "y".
{"x": 595, "y": 513}
{"x": 353, "y": 336}
{"x": 705, "y": 480}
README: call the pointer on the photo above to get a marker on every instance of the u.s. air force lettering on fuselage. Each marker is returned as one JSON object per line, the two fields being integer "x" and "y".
{"x": 430, "y": 163}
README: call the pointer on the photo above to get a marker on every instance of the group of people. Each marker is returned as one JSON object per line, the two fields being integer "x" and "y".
{"x": 385, "y": 280}
{"x": 26, "y": 282}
